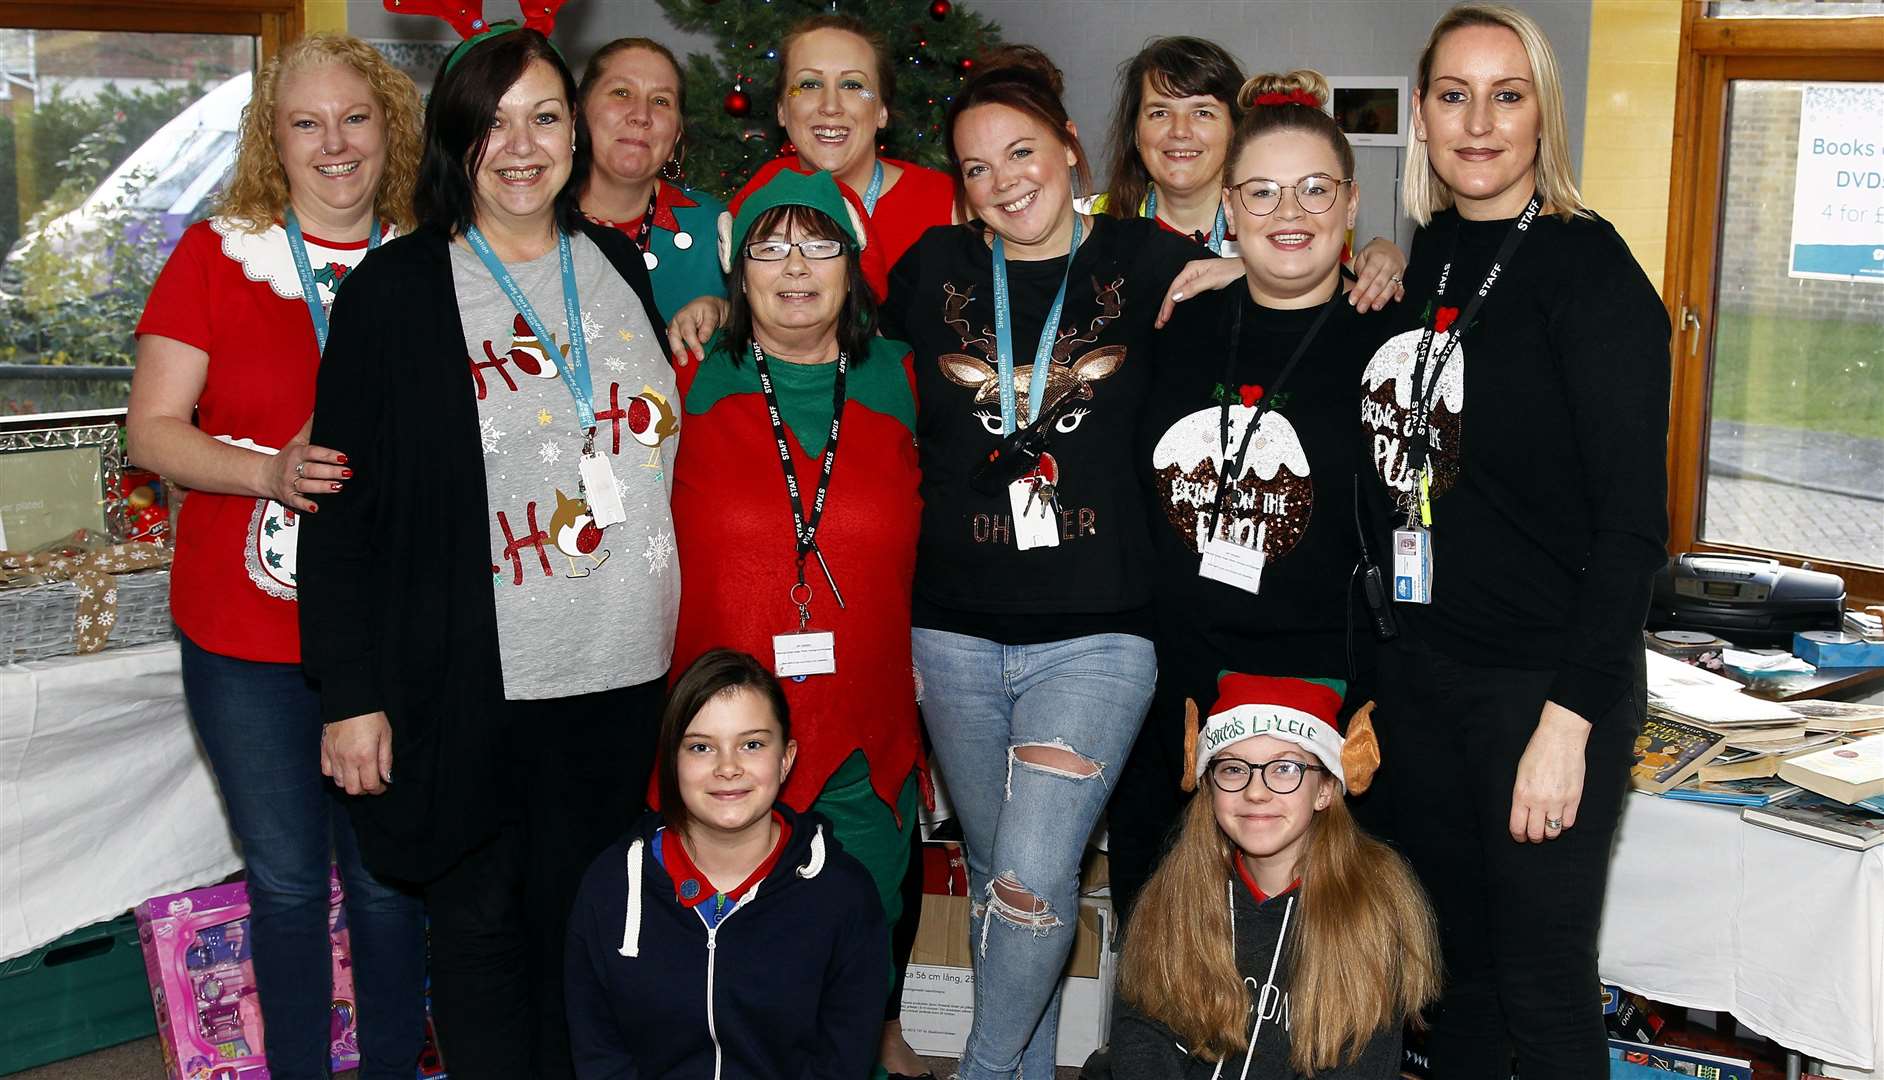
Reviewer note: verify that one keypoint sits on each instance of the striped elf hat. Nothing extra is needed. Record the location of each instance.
(1305, 712)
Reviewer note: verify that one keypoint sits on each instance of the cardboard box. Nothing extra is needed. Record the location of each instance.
(939, 991)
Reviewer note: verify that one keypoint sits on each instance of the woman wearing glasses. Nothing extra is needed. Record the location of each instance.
(1249, 451)
(1277, 940)
(796, 511)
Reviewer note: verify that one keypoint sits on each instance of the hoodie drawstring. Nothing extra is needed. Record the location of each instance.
(1274, 960)
(816, 865)
(631, 924)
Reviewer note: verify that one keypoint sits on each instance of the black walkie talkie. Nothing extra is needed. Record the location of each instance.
(1373, 582)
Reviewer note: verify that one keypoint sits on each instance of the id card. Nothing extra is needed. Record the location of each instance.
(807, 652)
(1233, 564)
(599, 490)
(1413, 565)
(1036, 525)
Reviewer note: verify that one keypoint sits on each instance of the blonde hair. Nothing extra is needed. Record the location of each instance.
(1425, 194)
(1258, 120)
(1366, 955)
(257, 193)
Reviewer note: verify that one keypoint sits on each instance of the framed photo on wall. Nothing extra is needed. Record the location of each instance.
(1372, 109)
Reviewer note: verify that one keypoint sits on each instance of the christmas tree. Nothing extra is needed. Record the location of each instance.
(732, 125)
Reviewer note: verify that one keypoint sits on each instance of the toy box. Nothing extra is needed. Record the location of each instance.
(197, 955)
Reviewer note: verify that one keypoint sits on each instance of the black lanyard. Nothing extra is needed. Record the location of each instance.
(1423, 389)
(647, 219)
(1233, 469)
(805, 525)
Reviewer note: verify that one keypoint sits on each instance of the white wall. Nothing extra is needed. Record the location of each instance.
(1090, 38)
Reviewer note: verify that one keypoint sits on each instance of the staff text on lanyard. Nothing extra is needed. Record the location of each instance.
(574, 368)
(310, 294)
(1004, 337)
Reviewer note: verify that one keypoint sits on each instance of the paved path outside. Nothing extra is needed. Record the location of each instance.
(1786, 517)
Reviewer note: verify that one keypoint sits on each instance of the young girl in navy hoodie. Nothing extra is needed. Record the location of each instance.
(727, 935)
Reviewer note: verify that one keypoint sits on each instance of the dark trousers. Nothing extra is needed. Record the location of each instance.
(1517, 921)
(260, 726)
(1146, 798)
(578, 776)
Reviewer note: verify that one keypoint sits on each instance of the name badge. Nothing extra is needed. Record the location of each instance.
(1413, 565)
(1233, 564)
(1036, 520)
(599, 490)
(806, 652)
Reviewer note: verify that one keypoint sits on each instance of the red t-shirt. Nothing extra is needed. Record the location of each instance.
(236, 296)
(919, 199)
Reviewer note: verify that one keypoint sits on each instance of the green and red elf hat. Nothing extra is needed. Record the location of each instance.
(1305, 712)
(467, 18)
(816, 191)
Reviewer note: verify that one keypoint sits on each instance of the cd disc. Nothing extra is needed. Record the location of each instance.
(1685, 637)
(1830, 637)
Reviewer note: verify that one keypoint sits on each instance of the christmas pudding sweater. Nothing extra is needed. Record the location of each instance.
(737, 551)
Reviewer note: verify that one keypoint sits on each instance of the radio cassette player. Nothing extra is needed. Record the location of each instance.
(1745, 598)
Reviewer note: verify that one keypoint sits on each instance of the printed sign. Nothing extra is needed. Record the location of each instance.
(1838, 198)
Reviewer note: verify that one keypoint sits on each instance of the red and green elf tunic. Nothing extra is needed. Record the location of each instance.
(734, 530)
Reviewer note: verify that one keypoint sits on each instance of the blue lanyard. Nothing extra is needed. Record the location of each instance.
(874, 191)
(1218, 229)
(297, 247)
(1004, 337)
(574, 368)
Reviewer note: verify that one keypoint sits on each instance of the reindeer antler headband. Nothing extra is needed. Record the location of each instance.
(467, 18)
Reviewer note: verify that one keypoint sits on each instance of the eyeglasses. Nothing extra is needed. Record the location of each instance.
(1281, 776)
(1315, 194)
(780, 250)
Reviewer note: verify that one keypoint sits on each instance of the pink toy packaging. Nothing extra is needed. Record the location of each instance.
(202, 978)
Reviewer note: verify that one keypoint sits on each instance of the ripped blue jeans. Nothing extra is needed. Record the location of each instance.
(1075, 706)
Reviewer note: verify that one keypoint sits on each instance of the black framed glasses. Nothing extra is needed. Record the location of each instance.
(1261, 196)
(1281, 776)
(780, 250)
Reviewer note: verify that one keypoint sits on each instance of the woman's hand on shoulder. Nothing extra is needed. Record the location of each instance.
(357, 753)
(692, 327)
(1199, 275)
(303, 469)
(1379, 268)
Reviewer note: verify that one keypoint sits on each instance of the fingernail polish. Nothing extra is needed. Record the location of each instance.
(346, 474)
(342, 458)
(333, 487)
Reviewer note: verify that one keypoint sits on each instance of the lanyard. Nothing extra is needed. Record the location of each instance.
(1218, 229)
(647, 219)
(805, 525)
(297, 247)
(874, 191)
(574, 368)
(1004, 337)
(1233, 469)
(1423, 388)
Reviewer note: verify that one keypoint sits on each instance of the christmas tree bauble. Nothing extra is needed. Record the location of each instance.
(940, 9)
(965, 65)
(737, 103)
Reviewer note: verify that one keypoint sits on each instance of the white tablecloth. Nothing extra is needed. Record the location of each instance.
(105, 797)
(1785, 933)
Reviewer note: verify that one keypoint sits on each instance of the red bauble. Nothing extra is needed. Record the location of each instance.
(965, 65)
(939, 9)
(737, 103)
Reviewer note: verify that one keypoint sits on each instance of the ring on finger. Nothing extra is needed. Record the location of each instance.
(300, 470)
(1553, 824)
(1395, 279)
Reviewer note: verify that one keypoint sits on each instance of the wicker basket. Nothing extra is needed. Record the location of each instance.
(36, 622)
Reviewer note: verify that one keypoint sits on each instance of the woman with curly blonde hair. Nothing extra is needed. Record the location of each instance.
(232, 335)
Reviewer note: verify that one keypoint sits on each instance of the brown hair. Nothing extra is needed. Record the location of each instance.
(1425, 194)
(717, 673)
(856, 317)
(1022, 78)
(850, 24)
(1178, 67)
(1259, 120)
(592, 73)
(258, 186)
(1366, 956)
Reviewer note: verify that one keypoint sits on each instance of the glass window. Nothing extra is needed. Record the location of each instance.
(110, 145)
(1796, 438)
(1793, 9)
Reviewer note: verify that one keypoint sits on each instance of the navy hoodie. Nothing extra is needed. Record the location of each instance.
(791, 984)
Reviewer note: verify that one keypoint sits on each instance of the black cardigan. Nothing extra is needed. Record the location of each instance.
(395, 572)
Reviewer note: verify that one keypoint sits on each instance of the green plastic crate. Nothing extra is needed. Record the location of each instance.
(81, 993)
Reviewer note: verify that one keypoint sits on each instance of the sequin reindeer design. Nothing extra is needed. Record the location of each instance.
(1067, 376)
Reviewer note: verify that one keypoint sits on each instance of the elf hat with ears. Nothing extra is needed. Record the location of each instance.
(818, 191)
(1301, 711)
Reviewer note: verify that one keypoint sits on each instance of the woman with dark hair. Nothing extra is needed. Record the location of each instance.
(634, 101)
(227, 351)
(838, 556)
(518, 512)
(742, 939)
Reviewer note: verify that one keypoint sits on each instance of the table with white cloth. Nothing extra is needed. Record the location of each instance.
(1787, 934)
(106, 798)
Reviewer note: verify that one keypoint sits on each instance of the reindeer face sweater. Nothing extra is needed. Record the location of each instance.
(971, 577)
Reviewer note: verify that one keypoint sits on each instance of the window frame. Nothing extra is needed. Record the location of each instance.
(273, 23)
(1715, 51)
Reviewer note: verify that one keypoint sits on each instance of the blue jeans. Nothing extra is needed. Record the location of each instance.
(260, 724)
(1025, 825)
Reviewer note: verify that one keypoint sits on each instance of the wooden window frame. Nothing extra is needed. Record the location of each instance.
(273, 23)
(1713, 52)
